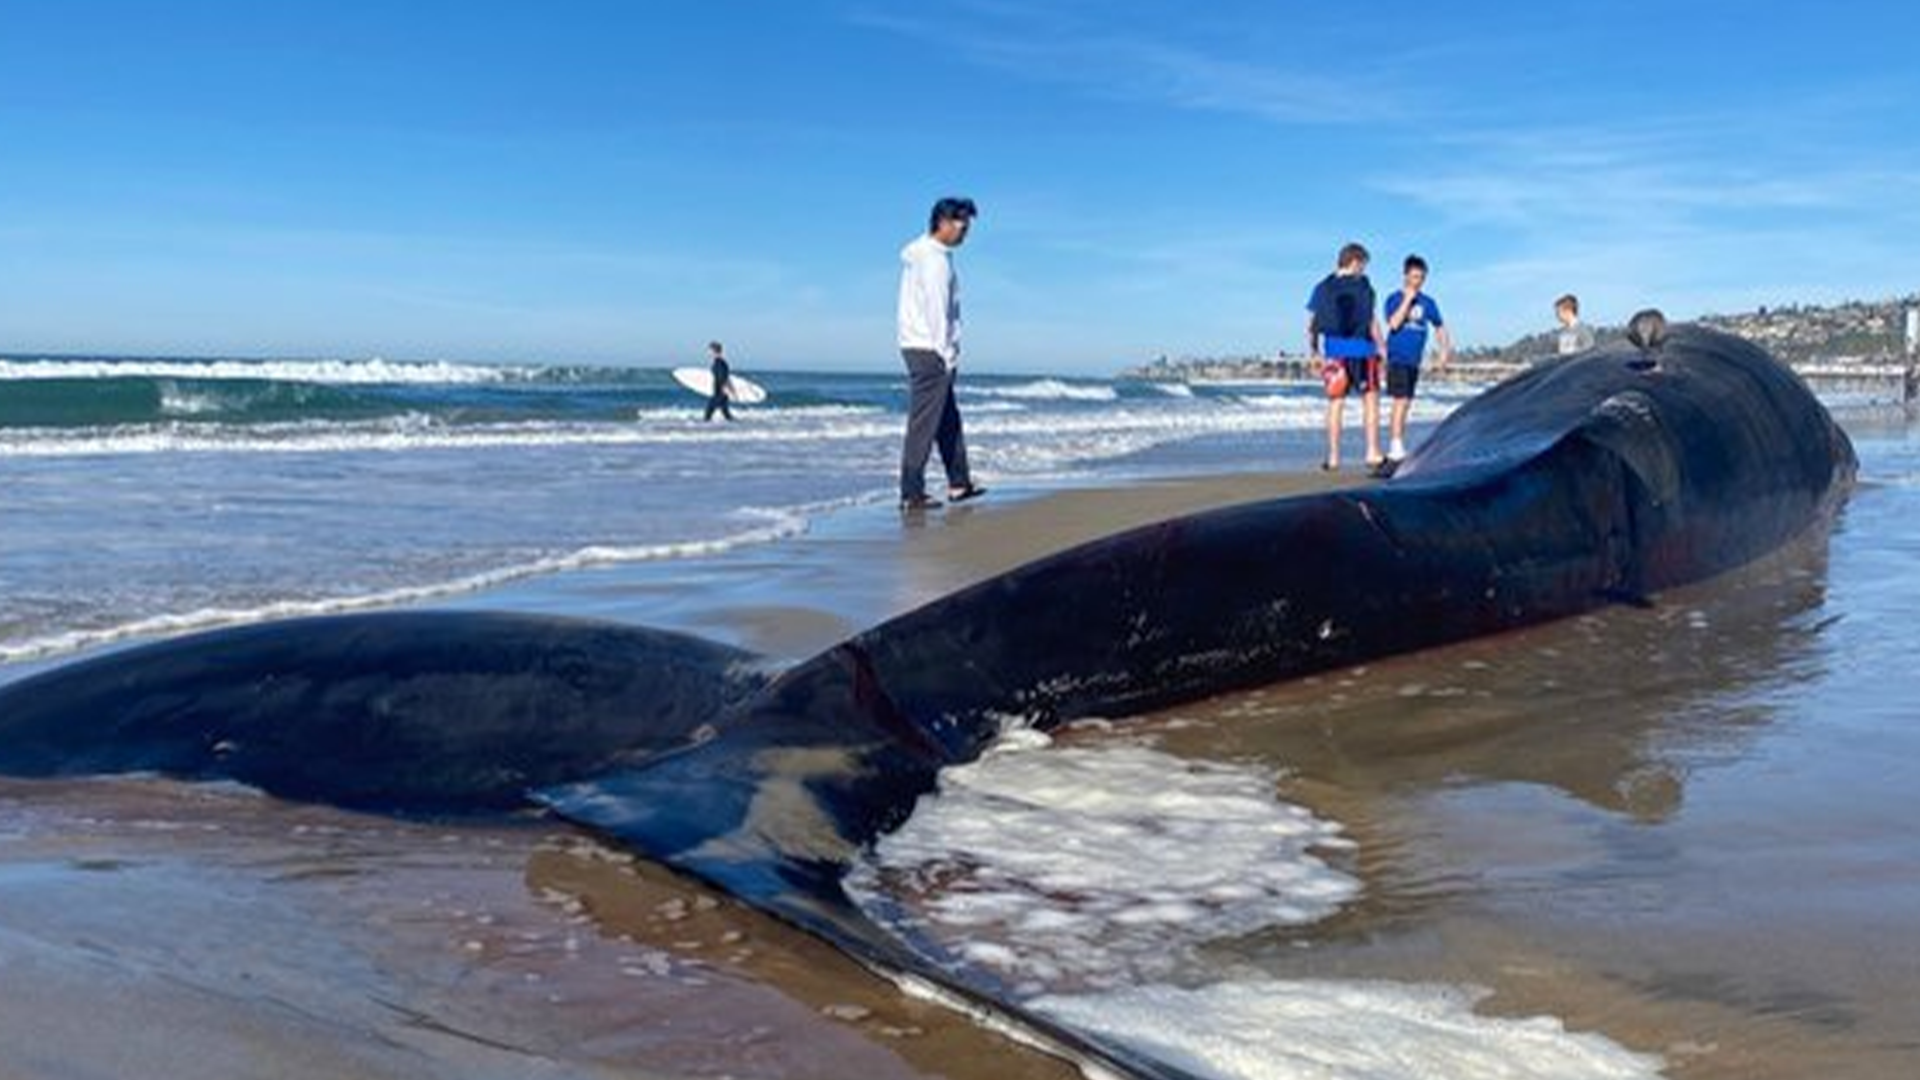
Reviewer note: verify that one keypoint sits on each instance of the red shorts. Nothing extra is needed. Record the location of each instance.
(1363, 376)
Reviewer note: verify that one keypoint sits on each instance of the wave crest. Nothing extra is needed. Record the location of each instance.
(1045, 390)
(332, 372)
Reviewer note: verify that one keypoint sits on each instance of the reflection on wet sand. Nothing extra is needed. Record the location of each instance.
(1612, 708)
(633, 901)
(229, 930)
(1522, 808)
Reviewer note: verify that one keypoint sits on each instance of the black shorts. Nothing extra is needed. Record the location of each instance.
(1363, 374)
(1401, 379)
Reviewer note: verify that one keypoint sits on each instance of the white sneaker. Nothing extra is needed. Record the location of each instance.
(1397, 452)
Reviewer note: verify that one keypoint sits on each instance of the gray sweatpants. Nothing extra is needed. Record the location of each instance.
(933, 417)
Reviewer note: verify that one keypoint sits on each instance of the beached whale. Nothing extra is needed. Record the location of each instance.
(1590, 479)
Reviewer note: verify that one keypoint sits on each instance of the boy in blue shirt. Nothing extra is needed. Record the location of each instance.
(1410, 313)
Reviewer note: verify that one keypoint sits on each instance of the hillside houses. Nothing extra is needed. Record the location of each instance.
(1868, 337)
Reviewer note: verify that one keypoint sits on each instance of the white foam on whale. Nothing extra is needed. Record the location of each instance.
(1272, 1029)
(1084, 875)
(1100, 865)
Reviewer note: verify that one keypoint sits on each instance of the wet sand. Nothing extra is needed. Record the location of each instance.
(152, 929)
(1639, 821)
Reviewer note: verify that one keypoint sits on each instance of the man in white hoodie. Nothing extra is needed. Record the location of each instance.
(930, 345)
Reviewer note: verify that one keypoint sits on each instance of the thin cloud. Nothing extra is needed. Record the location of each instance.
(1696, 214)
(1688, 169)
(1652, 203)
(1053, 47)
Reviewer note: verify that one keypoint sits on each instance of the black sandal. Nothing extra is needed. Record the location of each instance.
(918, 502)
(962, 494)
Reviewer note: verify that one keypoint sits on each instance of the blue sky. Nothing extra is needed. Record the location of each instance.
(619, 182)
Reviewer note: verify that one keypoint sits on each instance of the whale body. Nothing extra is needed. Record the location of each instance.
(1603, 477)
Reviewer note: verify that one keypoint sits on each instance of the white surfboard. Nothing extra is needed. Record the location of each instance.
(739, 388)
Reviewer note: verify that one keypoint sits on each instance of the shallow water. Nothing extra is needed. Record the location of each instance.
(155, 497)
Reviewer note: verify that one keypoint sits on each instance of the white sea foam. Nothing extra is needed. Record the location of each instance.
(1043, 390)
(786, 413)
(779, 524)
(983, 408)
(1265, 1029)
(1055, 437)
(175, 401)
(342, 372)
(1101, 865)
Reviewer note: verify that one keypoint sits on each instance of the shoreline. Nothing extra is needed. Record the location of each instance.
(859, 567)
(850, 569)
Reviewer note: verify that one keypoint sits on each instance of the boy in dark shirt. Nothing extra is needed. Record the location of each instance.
(1342, 330)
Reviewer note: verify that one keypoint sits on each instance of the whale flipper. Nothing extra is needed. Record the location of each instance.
(447, 712)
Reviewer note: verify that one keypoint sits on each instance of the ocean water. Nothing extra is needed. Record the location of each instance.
(155, 496)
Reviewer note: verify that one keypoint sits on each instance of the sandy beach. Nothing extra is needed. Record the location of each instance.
(1584, 820)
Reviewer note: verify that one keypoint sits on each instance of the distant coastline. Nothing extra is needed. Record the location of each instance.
(1856, 339)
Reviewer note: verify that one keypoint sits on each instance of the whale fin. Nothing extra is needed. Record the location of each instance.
(442, 712)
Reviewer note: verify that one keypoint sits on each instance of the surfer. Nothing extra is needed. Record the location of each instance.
(1410, 313)
(929, 337)
(722, 382)
(1343, 332)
